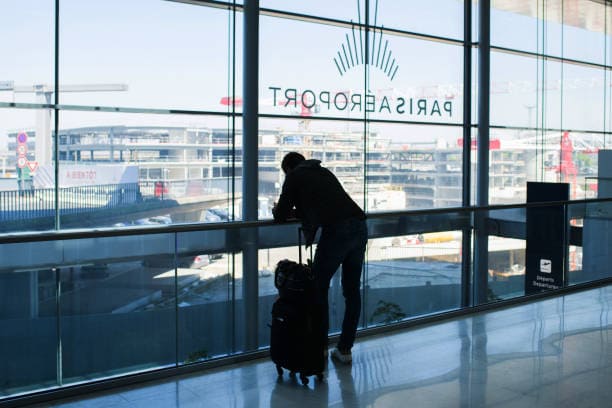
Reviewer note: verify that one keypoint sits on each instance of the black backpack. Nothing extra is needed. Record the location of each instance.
(295, 282)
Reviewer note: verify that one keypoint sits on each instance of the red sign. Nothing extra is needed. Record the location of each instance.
(494, 144)
(33, 165)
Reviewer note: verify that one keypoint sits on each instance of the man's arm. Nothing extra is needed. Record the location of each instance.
(283, 209)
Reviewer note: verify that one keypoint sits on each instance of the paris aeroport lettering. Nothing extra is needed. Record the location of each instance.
(341, 101)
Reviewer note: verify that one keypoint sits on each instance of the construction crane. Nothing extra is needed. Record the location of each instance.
(44, 95)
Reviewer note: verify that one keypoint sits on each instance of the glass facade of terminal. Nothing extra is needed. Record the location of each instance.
(141, 158)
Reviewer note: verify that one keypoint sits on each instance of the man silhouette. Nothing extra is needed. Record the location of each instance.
(314, 195)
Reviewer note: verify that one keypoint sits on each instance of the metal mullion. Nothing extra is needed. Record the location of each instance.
(56, 115)
(176, 302)
(366, 73)
(481, 258)
(605, 93)
(232, 264)
(250, 176)
(58, 287)
(466, 244)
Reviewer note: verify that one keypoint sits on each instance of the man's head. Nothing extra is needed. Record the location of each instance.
(291, 161)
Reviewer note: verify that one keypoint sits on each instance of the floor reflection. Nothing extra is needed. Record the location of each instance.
(553, 353)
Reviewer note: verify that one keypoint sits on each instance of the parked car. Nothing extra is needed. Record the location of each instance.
(216, 215)
(161, 219)
(199, 261)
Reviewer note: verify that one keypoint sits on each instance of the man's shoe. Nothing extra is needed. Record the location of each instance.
(344, 357)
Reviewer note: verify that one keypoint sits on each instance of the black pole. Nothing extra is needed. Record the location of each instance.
(481, 255)
(250, 179)
(466, 245)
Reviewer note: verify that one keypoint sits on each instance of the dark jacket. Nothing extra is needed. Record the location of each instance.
(318, 198)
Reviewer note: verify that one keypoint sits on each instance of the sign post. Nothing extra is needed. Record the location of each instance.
(547, 238)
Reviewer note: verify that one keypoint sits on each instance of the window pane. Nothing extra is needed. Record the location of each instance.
(583, 31)
(512, 162)
(338, 145)
(552, 83)
(28, 343)
(118, 306)
(514, 86)
(442, 18)
(348, 10)
(155, 59)
(506, 268)
(514, 24)
(26, 73)
(413, 167)
(551, 30)
(208, 287)
(412, 275)
(596, 239)
(415, 80)
(125, 169)
(329, 82)
(23, 207)
(583, 97)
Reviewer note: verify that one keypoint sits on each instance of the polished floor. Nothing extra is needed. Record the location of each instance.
(552, 353)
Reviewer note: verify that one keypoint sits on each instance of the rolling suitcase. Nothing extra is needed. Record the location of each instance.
(296, 343)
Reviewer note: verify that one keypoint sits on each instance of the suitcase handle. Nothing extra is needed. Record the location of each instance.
(308, 261)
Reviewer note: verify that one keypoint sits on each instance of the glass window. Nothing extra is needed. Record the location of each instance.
(118, 306)
(513, 27)
(442, 18)
(551, 85)
(27, 69)
(415, 80)
(551, 29)
(506, 268)
(347, 10)
(338, 145)
(514, 86)
(29, 319)
(138, 169)
(23, 206)
(318, 70)
(583, 97)
(155, 59)
(583, 31)
(412, 275)
(206, 278)
(413, 167)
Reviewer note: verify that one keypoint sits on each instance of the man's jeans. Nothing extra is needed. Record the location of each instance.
(343, 243)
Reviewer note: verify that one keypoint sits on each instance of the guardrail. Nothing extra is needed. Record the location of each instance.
(138, 297)
(30, 203)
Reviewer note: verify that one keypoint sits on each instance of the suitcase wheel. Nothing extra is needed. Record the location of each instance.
(303, 379)
(279, 370)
